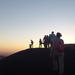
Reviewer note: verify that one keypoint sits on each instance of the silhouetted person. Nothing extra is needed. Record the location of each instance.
(51, 38)
(58, 54)
(40, 43)
(45, 41)
(31, 45)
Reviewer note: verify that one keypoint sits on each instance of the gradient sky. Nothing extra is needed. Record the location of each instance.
(23, 20)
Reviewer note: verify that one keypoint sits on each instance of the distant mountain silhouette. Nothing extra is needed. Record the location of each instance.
(35, 61)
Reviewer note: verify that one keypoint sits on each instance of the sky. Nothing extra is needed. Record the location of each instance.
(23, 20)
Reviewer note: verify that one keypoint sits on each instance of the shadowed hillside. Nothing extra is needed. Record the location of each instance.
(31, 61)
(35, 62)
(2, 57)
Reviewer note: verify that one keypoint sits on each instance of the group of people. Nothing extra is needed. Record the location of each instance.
(47, 40)
(56, 45)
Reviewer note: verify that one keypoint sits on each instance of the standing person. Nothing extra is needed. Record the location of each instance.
(40, 43)
(31, 45)
(51, 37)
(45, 41)
(58, 54)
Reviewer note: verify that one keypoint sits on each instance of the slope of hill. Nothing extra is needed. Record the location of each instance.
(1, 57)
(31, 61)
(35, 62)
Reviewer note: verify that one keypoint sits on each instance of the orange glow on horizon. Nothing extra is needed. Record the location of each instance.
(12, 46)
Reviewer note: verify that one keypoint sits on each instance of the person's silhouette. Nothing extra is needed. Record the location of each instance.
(45, 41)
(51, 38)
(58, 54)
(31, 45)
(40, 43)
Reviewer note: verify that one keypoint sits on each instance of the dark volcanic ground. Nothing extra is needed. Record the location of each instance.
(35, 61)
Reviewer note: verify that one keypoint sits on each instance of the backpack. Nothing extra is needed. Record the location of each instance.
(59, 45)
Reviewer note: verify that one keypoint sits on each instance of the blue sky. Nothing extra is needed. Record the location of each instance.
(23, 20)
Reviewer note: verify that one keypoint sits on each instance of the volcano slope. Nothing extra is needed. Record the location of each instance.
(36, 61)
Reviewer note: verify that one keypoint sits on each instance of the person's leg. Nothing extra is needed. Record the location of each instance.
(61, 64)
(45, 45)
(30, 45)
(55, 64)
(39, 45)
